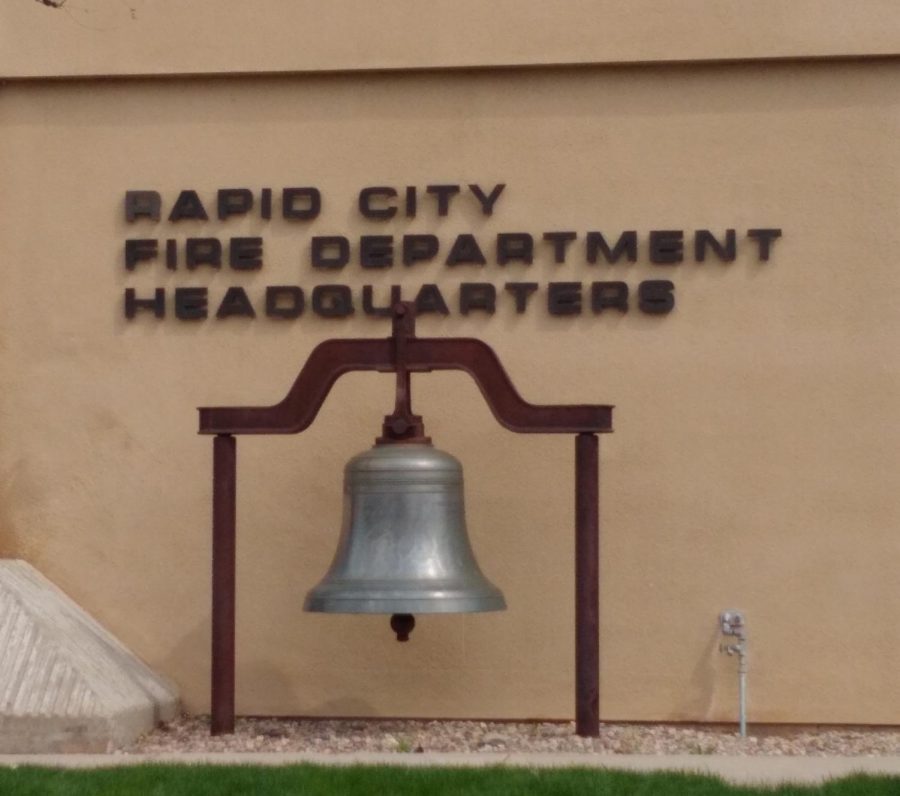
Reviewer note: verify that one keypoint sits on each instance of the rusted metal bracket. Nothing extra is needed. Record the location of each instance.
(404, 353)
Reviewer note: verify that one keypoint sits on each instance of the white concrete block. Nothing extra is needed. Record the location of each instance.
(66, 684)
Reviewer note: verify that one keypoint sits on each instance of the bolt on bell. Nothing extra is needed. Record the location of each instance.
(404, 548)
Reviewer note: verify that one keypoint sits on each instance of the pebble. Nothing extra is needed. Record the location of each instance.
(191, 734)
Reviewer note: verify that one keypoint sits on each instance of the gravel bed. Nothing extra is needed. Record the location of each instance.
(191, 734)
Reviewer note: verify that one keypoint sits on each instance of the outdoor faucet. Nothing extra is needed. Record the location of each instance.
(732, 624)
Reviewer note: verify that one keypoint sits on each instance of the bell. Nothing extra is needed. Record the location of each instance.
(403, 547)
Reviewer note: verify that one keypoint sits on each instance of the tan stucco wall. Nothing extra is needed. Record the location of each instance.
(166, 37)
(755, 459)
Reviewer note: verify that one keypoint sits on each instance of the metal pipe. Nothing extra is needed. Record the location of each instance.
(742, 686)
(732, 624)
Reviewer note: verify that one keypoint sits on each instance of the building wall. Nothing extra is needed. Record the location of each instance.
(170, 37)
(755, 455)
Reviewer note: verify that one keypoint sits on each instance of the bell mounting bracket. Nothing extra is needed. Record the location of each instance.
(402, 354)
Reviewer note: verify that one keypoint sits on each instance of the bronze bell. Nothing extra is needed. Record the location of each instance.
(404, 548)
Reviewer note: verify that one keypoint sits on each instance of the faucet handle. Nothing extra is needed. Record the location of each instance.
(732, 622)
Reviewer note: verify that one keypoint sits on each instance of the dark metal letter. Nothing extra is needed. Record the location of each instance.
(465, 251)
(560, 241)
(515, 246)
(203, 251)
(477, 296)
(171, 254)
(332, 301)
(521, 291)
(190, 303)
(369, 307)
(236, 303)
(765, 238)
(666, 246)
(703, 238)
(133, 304)
(429, 299)
(142, 204)
(139, 249)
(655, 296)
(376, 251)
(330, 251)
(564, 298)
(284, 301)
(487, 202)
(245, 254)
(310, 196)
(377, 213)
(606, 295)
(410, 201)
(233, 202)
(419, 248)
(188, 205)
(626, 245)
(443, 193)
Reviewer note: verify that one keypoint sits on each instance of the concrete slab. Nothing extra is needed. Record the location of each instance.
(765, 770)
(67, 684)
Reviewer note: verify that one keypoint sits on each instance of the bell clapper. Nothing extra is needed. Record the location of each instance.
(402, 625)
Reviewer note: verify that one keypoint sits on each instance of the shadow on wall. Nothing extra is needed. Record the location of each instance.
(345, 706)
(264, 687)
(258, 683)
(180, 665)
(700, 690)
(21, 494)
(9, 545)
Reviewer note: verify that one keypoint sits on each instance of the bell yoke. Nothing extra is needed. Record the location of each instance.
(404, 548)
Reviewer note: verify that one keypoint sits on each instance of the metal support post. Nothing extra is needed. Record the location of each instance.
(587, 586)
(223, 583)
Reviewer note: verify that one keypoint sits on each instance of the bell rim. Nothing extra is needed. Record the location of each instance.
(326, 604)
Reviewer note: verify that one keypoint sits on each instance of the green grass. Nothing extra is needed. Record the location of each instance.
(153, 780)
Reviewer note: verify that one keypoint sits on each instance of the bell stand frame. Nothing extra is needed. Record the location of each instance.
(403, 353)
